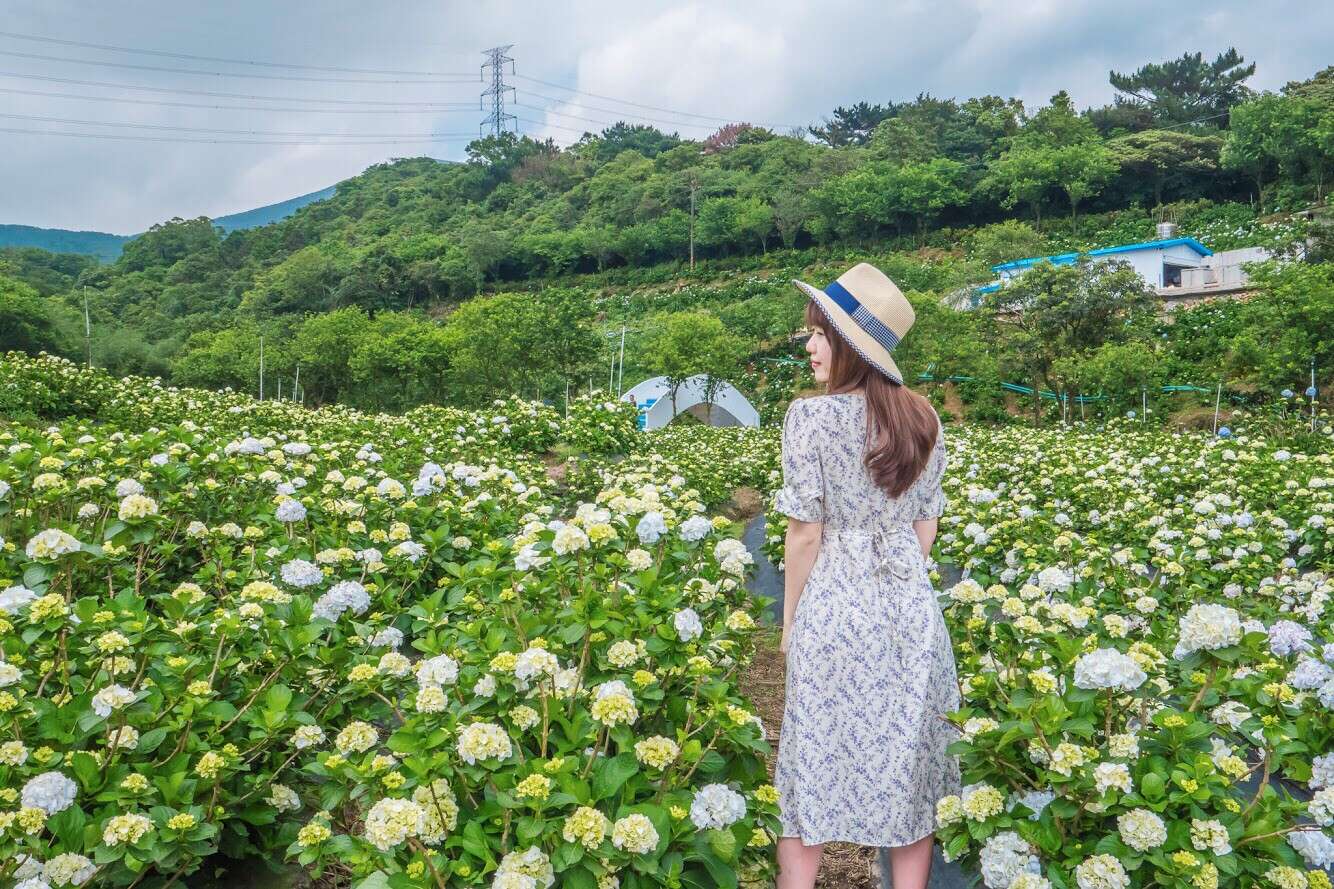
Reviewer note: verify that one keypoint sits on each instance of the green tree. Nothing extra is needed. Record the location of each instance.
(400, 360)
(921, 191)
(1022, 174)
(1005, 241)
(1285, 327)
(1054, 311)
(323, 347)
(518, 343)
(1081, 169)
(684, 344)
(228, 358)
(167, 243)
(1249, 147)
(1161, 157)
(852, 125)
(1186, 89)
(27, 323)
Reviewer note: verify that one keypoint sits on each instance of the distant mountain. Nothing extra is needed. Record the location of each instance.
(58, 240)
(106, 247)
(271, 213)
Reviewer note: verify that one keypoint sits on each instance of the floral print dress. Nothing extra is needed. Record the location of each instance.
(870, 669)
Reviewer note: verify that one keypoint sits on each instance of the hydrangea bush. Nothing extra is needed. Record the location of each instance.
(362, 644)
(1145, 642)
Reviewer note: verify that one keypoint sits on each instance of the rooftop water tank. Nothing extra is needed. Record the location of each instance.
(1167, 230)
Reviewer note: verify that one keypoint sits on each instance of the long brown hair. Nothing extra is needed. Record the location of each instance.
(900, 424)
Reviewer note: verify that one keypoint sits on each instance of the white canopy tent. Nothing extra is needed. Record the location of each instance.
(654, 398)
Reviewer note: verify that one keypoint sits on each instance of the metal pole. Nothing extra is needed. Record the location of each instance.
(87, 330)
(261, 368)
(620, 373)
(1313, 394)
(280, 388)
(1218, 397)
(296, 383)
(1144, 403)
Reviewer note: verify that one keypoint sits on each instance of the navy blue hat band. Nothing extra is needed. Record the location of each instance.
(859, 313)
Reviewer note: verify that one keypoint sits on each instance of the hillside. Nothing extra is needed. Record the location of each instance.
(107, 247)
(272, 212)
(374, 291)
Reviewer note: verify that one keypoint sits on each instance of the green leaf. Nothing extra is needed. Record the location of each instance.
(610, 774)
(151, 740)
(565, 855)
(578, 877)
(1151, 785)
(277, 698)
(68, 825)
(377, 880)
(723, 843)
(723, 874)
(85, 769)
(35, 576)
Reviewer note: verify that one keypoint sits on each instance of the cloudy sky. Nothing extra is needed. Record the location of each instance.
(577, 65)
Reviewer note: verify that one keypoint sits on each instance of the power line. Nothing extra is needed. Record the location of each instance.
(452, 109)
(162, 89)
(159, 68)
(665, 123)
(226, 61)
(127, 138)
(640, 105)
(556, 126)
(182, 129)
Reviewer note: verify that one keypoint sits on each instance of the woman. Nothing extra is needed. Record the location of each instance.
(870, 669)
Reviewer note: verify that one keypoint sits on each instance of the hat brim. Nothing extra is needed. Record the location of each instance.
(862, 342)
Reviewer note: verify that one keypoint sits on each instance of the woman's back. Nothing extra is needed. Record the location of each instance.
(824, 445)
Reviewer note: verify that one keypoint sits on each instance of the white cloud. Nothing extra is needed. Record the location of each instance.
(774, 62)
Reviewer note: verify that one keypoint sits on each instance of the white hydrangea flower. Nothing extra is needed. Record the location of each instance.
(688, 625)
(1004, 857)
(1108, 668)
(51, 792)
(1205, 628)
(717, 805)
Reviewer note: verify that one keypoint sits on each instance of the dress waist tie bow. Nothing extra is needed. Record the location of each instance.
(884, 557)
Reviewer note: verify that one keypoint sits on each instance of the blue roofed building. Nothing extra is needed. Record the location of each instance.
(1180, 270)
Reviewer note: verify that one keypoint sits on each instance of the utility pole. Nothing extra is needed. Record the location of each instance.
(495, 60)
(296, 383)
(261, 368)
(620, 373)
(87, 330)
(1218, 400)
(694, 186)
(1312, 393)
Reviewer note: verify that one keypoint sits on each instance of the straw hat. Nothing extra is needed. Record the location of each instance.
(869, 311)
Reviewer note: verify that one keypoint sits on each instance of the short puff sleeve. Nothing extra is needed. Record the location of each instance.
(930, 489)
(802, 495)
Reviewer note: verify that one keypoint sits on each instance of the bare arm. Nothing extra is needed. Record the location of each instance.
(925, 529)
(801, 547)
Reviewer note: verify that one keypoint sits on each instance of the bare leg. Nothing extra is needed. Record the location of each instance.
(910, 865)
(797, 863)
